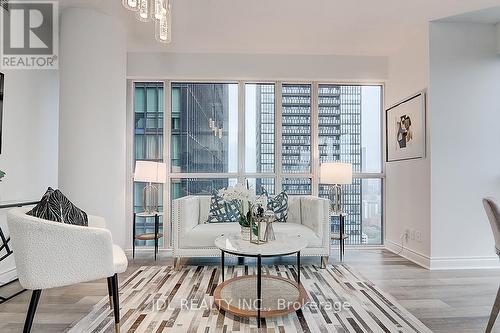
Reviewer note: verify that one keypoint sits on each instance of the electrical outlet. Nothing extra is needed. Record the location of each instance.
(418, 236)
(412, 234)
(406, 235)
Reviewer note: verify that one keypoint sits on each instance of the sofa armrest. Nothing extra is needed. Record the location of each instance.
(315, 214)
(185, 216)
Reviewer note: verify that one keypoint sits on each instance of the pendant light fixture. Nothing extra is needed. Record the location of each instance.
(160, 11)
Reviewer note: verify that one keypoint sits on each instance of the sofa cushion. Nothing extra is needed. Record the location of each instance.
(204, 235)
(55, 206)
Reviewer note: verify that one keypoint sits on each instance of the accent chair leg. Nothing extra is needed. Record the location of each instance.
(324, 261)
(35, 297)
(116, 303)
(110, 291)
(494, 312)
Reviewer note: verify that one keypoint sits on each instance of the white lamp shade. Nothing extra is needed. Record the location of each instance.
(150, 172)
(335, 173)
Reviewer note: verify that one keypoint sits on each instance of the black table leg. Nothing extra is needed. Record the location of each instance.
(222, 265)
(298, 267)
(259, 288)
(341, 241)
(157, 227)
(133, 238)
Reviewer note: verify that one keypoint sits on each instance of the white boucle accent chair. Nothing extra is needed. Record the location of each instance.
(53, 254)
(308, 216)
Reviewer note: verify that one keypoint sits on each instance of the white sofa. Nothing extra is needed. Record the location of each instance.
(193, 237)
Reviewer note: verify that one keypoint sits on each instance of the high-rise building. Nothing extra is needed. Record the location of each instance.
(199, 135)
(339, 118)
(265, 117)
(339, 139)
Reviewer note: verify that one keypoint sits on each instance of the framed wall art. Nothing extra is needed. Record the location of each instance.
(406, 129)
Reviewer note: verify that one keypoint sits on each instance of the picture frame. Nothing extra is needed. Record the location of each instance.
(405, 129)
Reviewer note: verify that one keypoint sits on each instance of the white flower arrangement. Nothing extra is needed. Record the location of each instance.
(247, 201)
(238, 192)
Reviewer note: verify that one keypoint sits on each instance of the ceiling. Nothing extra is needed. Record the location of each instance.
(341, 27)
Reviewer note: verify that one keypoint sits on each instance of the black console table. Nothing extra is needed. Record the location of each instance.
(4, 244)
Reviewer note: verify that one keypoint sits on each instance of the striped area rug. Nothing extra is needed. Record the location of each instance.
(158, 299)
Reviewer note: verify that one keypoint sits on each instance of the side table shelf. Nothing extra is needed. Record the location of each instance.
(156, 235)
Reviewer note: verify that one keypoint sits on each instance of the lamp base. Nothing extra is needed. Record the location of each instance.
(335, 196)
(150, 198)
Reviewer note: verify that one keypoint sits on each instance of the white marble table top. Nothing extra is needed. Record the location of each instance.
(282, 245)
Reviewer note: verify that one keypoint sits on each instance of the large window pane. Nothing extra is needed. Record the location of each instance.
(372, 211)
(371, 142)
(349, 131)
(296, 128)
(204, 127)
(148, 145)
(259, 128)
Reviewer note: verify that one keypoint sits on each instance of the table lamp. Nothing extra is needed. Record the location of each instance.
(335, 174)
(152, 173)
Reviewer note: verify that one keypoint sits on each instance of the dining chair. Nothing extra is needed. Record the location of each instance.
(493, 213)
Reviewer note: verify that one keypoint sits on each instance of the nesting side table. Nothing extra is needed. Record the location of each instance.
(156, 235)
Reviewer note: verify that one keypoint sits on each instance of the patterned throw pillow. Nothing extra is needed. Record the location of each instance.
(222, 211)
(55, 206)
(278, 204)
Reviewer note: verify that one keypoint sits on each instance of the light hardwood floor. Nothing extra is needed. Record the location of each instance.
(456, 301)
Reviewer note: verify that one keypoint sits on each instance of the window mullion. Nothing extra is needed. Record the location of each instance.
(278, 167)
(241, 132)
(167, 126)
(314, 140)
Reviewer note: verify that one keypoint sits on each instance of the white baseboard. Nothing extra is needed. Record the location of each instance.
(8, 275)
(414, 256)
(443, 263)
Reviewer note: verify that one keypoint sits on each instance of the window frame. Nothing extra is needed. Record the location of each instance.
(241, 175)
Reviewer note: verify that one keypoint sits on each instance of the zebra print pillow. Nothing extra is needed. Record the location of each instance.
(55, 206)
(278, 204)
(222, 211)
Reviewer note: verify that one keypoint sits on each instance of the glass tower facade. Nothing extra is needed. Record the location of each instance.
(200, 116)
(339, 139)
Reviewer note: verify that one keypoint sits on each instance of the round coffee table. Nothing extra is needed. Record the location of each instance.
(260, 296)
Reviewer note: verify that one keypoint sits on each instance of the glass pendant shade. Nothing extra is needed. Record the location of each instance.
(130, 4)
(163, 27)
(143, 14)
(158, 10)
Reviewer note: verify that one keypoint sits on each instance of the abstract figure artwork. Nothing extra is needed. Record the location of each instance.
(405, 129)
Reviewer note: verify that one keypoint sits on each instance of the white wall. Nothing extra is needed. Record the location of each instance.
(408, 182)
(29, 141)
(92, 115)
(465, 104)
(256, 67)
